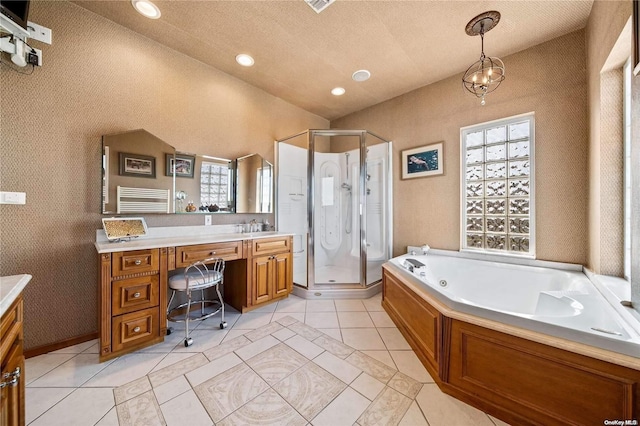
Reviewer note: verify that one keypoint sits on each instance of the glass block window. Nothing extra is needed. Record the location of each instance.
(497, 186)
(215, 184)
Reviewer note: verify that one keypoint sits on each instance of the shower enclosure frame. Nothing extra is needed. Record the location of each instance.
(362, 200)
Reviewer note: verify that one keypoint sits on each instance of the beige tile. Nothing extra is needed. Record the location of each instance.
(109, 419)
(227, 347)
(261, 332)
(283, 334)
(381, 319)
(225, 393)
(288, 318)
(131, 389)
(393, 339)
(81, 407)
(271, 307)
(382, 356)
(304, 347)
(76, 349)
(372, 367)
(170, 359)
(253, 349)
(38, 366)
(353, 305)
(409, 364)
(267, 408)
(170, 343)
(292, 304)
(442, 409)
(233, 333)
(373, 304)
(320, 306)
(276, 363)
(185, 409)
(305, 331)
(203, 339)
(498, 422)
(252, 320)
(322, 319)
(405, 385)
(354, 320)
(141, 410)
(332, 332)
(309, 389)
(388, 409)
(212, 369)
(171, 389)
(125, 369)
(344, 410)
(362, 338)
(337, 348)
(338, 367)
(95, 349)
(72, 373)
(214, 322)
(367, 386)
(414, 416)
(39, 400)
(169, 373)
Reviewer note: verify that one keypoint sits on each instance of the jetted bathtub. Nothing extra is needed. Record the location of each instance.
(529, 345)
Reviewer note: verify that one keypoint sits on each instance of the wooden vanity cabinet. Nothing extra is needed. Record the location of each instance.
(272, 270)
(12, 399)
(132, 300)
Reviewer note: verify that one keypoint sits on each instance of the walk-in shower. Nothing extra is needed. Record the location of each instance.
(334, 194)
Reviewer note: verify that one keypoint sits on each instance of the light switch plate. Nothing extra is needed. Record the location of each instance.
(207, 219)
(13, 197)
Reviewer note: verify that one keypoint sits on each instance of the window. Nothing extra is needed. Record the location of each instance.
(214, 184)
(627, 168)
(497, 187)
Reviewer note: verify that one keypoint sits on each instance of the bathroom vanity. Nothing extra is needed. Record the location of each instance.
(12, 381)
(133, 280)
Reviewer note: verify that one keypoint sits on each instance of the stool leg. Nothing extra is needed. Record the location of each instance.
(188, 341)
(223, 323)
(173, 293)
(202, 302)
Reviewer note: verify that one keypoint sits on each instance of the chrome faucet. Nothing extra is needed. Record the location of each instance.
(425, 249)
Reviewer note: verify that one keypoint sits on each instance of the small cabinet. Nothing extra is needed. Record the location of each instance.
(12, 367)
(271, 270)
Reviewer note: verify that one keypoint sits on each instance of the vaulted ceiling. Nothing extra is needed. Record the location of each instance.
(300, 55)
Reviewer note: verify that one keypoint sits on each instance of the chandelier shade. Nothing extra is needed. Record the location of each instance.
(485, 75)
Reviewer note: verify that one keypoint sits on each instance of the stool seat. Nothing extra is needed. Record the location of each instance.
(196, 280)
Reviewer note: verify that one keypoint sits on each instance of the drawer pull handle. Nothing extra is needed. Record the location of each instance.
(138, 262)
(14, 377)
(212, 253)
(136, 294)
(136, 330)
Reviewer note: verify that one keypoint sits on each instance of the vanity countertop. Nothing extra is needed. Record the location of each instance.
(10, 288)
(185, 240)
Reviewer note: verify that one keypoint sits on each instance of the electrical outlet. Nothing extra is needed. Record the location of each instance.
(207, 219)
(13, 198)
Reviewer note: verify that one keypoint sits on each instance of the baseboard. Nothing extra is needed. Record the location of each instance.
(29, 353)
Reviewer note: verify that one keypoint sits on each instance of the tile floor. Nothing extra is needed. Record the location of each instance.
(318, 362)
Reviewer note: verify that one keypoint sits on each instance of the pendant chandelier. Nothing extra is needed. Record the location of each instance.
(483, 76)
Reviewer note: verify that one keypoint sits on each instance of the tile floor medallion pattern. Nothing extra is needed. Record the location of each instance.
(270, 369)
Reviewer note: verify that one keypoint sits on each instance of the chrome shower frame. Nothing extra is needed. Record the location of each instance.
(362, 186)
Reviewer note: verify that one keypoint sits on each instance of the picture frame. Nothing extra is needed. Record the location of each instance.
(184, 165)
(423, 161)
(137, 165)
(636, 37)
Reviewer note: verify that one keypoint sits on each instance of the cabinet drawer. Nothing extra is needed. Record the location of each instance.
(271, 245)
(135, 328)
(11, 320)
(131, 262)
(134, 294)
(186, 255)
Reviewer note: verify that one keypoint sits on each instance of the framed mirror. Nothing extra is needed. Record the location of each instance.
(133, 174)
(204, 184)
(254, 185)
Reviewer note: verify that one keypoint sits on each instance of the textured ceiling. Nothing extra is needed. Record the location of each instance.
(300, 55)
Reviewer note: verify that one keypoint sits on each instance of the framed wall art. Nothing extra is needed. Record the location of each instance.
(423, 161)
(137, 165)
(184, 165)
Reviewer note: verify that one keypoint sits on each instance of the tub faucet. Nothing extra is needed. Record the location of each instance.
(425, 249)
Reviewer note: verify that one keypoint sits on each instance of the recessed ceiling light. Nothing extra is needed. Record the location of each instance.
(146, 8)
(244, 60)
(338, 91)
(361, 75)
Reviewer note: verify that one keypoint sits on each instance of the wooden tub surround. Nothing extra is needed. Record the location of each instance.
(520, 376)
(133, 282)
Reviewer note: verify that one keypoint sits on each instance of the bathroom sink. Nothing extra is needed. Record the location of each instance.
(260, 233)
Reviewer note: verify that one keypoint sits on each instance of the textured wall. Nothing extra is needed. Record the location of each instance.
(99, 78)
(427, 210)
